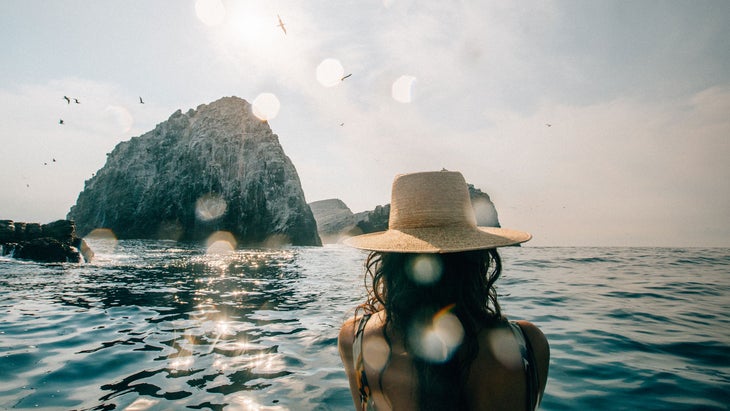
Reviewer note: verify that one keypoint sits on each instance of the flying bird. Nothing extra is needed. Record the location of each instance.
(60, 121)
(141, 101)
(77, 101)
(548, 124)
(343, 78)
(281, 24)
(68, 100)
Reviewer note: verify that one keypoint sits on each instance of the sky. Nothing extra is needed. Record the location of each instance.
(588, 123)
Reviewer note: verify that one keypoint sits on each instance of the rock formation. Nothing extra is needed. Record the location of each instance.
(52, 242)
(335, 221)
(216, 168)
(484, 209)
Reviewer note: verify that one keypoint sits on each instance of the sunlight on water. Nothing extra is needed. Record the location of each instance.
(210, 206)
(437, 342)
(402, 89)
(330, 72)
(182, 363)
(244, 402)
(425, 269)
(210, 12)
(266, 106)
(158, 325)
(141, 404)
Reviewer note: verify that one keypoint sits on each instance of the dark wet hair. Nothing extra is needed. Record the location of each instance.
(465, 288)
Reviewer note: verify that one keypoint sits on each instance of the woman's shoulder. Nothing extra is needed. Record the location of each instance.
(347, 332)
(350, 326)
(537, 339)
(497, 375)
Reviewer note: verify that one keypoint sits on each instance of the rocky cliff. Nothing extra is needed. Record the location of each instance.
(216, 168)
(335, 221)
(53, 242)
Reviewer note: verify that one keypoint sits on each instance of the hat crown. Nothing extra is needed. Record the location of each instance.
(430, 199)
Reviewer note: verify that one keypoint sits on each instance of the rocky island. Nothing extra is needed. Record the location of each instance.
(55, 242)
(215, 168)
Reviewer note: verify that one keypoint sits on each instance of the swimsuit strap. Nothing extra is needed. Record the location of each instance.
(529, 365)
(366, 402)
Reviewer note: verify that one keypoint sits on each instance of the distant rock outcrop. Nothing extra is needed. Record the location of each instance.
(216, 168)
(335, 221)
(52, 242)
(484, 209)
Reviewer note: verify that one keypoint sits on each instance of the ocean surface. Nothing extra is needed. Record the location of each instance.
(153, 325)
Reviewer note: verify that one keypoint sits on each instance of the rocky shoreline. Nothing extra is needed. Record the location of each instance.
(55, 242)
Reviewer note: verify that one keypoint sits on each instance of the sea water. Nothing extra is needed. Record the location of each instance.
(153, 325)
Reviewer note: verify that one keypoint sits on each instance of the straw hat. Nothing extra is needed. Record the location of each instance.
(431, 212)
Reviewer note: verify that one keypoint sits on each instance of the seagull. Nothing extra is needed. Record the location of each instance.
(77, 101)
(281, 24)
(60, 121)
(68, 100)
(343, 78)
(141, 101)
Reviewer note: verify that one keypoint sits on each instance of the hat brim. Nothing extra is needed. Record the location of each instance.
(438, 240)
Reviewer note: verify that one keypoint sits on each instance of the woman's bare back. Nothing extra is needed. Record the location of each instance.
(496, 379)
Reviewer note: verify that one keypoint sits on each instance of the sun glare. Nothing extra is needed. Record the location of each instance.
(255, 27)
(210, 12)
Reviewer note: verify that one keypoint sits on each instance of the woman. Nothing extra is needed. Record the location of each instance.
(431, 335)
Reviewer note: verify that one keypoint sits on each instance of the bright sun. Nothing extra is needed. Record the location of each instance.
(252, 27)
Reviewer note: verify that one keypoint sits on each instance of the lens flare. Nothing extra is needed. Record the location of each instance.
(505, 350)
(485, 213)
(221, 242)
(170, 230)
(102, 240)
(266, 106)
(438, 341)
(425, 269)
(210, 206)
(119, 116)
(376, 353)
(329, 72)
(210, 12)
(402, 90)
(276, 241)
(102, 234)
